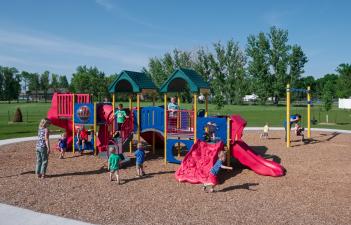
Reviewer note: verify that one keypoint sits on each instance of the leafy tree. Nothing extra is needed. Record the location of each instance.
(258, 52)
(26, 76)
(218, 82)
(279, 59)
(1, 84)
(63, 82)
(297, 61)
(156, 71)
(45, 83)
(89, 80)
(11, 83)
(320, 83)
(34, 84)
(273, 63)
(202, 64)
(236, 74)
(182, 59)
(54, 82)
(344, 81)
(327, 97)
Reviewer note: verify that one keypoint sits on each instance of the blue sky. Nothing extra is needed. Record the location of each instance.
(38, 35)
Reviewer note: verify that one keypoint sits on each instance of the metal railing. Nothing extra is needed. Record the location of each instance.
(180, 121)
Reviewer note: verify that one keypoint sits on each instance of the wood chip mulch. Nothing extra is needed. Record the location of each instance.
(315, 190)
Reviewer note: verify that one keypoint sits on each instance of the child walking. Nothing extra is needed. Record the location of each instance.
(265, 131)
(214, 172)
(139, 159)
(62, 145)
(113, 164)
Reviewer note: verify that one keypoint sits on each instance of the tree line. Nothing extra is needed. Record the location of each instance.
(264, 67)
(12, 82)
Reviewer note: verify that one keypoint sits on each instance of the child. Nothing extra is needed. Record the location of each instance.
(62, 145)
(299, 131)
(82, 139)
(121, 116)
(265, 132)
(214, 172)
(139, 159)
(113, 163)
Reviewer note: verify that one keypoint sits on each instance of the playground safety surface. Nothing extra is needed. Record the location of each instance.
(315, 190)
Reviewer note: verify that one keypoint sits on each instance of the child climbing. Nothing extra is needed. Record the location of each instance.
(121, 116)
(214, 172)
(113, 164)
(293, 119)
(139, 160)
(62, 143)
(265, 131)
(299, 131)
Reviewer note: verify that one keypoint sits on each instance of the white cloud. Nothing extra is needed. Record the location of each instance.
(106, 4)
(57, 46)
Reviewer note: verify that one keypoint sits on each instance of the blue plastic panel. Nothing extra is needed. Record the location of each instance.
(221, 127)
(151, 117)
(83, 113)
(170, 143)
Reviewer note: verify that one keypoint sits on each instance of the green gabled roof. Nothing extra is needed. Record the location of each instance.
(133, 82)
(180, 77)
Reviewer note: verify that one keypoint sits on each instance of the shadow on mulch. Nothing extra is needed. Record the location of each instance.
(148, 175)
(90, 172)
(23, 173)
(273, 138)
(245, 186)
(315, 141)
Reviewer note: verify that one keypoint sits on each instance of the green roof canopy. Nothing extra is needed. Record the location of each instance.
(180, 78)
(132, 82)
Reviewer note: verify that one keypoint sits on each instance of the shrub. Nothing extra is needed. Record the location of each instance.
(18, 116)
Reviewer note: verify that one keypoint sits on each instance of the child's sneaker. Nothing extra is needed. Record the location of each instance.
(204, 187)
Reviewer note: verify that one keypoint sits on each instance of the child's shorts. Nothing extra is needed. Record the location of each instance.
(212, 179)
(138, 166)
(112, 171)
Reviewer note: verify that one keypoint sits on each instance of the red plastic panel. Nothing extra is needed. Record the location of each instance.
(196, 166)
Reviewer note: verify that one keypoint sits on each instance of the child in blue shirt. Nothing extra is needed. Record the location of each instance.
(62, 144)
(139, 160)
(212, 178)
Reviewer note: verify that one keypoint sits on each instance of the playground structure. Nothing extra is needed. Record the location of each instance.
(290, 90)
(157, 125)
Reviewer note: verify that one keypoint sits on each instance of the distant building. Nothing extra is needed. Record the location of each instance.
(40, 96)
(345, 103)
(250, 98)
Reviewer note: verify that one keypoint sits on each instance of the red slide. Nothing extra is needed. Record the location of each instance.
(196, 165)
(242, 152)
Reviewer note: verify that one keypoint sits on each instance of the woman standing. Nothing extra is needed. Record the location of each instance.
(42, 148)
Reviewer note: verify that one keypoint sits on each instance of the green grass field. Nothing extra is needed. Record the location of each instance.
(255, 115)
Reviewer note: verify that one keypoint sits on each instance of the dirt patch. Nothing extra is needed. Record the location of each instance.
(315, 190)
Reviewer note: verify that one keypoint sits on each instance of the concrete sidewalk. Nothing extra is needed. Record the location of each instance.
(17, 140)
(11, 215)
